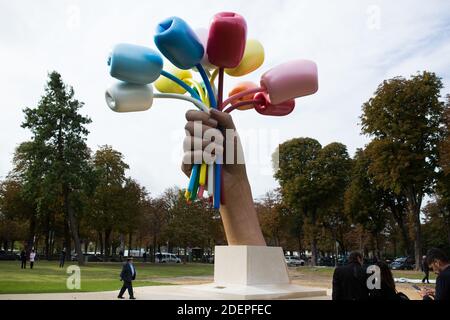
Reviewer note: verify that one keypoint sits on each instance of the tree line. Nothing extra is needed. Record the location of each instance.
(378, 195)
(59, 194)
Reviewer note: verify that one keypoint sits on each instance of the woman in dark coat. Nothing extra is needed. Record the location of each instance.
(388, 290)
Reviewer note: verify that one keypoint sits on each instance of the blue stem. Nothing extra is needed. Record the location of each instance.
(217, 166)
(211, 96)
(181, 83)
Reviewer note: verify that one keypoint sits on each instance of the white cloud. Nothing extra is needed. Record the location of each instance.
(353, 58)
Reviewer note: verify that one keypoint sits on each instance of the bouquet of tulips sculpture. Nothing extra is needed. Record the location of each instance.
(223, 48)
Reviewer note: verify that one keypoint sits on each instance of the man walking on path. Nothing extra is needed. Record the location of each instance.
(425, 270)
(127, 275)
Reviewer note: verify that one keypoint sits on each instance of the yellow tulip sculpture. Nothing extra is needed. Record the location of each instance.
(252, 60)
(165, 85)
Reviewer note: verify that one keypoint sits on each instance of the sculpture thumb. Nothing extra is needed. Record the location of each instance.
(291, 80)
(179, 43)
(129, 97)
(252, 60)
(165, 85)
(227, 39)
(241, 87)
(135, 64)
(268, 109)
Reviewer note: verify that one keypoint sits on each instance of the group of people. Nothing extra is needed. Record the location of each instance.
(32, 258)
(23, 259)
(351, 282)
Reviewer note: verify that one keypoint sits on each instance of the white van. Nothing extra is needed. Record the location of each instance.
(167, 258)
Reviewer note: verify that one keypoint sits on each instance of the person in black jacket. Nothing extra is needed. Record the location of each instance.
(23, 259)
(349, 281)
(425, 270)
(387, 289)
(127, 275)
(438, 261)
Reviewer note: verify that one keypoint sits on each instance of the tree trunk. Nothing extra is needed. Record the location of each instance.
(377, 246)
(47, 237)
(414, 204)
(73, 227)
(107, 244)
(67, 239)
(399, 218)
(31, 234)
(154, 249)
(314, 239)
(130, 239)
(100, 237)
(76, 239)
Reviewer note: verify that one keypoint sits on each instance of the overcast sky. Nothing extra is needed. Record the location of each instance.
(356, 44)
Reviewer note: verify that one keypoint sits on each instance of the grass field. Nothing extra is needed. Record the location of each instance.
(47, 277)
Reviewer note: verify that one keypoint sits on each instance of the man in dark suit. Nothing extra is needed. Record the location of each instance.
(349, 282)
(127, 275)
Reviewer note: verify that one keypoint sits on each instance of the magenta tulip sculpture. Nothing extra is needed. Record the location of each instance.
(227, 39)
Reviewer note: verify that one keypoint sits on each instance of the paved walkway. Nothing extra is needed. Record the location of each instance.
(174, 292)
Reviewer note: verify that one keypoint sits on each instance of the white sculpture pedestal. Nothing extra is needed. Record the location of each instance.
(253, 272)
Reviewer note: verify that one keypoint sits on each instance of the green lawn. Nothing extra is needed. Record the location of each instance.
(328, 271)
(46, 277)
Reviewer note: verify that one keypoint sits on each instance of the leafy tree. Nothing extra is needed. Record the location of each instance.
(437, 225)
(270, 217)
(298, 177)
(335, 167)
(405, 119)
(107, 205)
(16, 213)
(364, 200)
(59, 148)
(312, 180)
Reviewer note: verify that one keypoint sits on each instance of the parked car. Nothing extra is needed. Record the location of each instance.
(342, 261)
(293, 261)
(88, 257)
(7, 255)
(167, 258)
(325, 262)
(403, 263)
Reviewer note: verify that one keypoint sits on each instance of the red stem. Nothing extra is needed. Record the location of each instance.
(242, 94)
(220, 89)
(243, 103)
